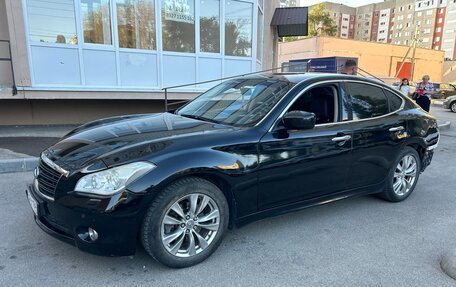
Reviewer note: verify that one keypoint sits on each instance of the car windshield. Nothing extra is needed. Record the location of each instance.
(240, 102)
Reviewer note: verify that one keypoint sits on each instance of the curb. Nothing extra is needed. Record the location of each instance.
(445, 126)
(18, 165)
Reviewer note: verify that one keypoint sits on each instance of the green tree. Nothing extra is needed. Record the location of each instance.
(320, 22)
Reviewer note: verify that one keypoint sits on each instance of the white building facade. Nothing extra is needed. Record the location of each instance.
(140, 45)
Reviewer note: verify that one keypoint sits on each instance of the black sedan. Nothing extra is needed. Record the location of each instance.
(246, 149)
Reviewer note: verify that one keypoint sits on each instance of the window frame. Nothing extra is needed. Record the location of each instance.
(27, 29)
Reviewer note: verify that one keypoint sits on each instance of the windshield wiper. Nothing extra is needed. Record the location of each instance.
(200, 118)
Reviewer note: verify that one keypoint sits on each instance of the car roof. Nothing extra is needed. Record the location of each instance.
(296, 78)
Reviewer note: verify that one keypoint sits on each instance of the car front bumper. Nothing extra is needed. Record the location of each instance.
(117, 229)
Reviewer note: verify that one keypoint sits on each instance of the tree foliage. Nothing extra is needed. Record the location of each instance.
(320, 22)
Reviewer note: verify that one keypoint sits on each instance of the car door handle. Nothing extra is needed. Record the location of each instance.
(396, 129)
(341, 139)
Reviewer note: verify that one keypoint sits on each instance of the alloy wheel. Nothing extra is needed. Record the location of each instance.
(190, 225)
(405, 175)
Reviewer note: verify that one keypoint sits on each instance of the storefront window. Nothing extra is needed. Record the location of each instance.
(238, 28)
(52, 22)
(136, 24)
(210, 26)
(178, 21)
(96, 20)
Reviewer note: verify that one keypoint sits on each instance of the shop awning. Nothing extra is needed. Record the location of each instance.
(291, 21)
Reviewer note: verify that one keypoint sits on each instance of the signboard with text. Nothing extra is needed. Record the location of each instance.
(179, 11)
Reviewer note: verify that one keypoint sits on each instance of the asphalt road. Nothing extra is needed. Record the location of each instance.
(356, 242)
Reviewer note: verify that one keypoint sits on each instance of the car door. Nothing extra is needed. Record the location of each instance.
(296, 165)
(379, 132)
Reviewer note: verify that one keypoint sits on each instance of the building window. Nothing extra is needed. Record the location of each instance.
(428, 21)
(420, 14)
(425, 40)
(210, 26)
(178, 21)
(409, 7)
(429, 12)
(96, 21)
(401, 8)
(437, 39)
(438, 30)
(344, 27)
(409, 16)
(52, 22)
(427, 31)
(136, 24)
(407, 25)
(441, 10)
(440, 20)
(238, 28)
(383, 15)
(260, 32)
(344, 35)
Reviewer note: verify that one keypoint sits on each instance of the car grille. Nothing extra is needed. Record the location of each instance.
(47, 179)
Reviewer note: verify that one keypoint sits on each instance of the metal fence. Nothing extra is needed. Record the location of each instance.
(285, 68)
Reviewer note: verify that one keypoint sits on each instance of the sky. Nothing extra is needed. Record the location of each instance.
(351, 3)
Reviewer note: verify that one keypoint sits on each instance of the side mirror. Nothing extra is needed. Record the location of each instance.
(299, 120)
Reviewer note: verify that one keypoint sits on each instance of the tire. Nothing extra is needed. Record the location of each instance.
(401, 184)
(187, 239)
(453, 107)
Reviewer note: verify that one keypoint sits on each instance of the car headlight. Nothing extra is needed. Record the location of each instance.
(110, 181)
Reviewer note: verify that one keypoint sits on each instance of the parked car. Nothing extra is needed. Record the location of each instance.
(444, 90)
(450, 103)
(177, 181)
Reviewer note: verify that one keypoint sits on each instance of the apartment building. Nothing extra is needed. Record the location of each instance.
(344, 17)
(449, 31)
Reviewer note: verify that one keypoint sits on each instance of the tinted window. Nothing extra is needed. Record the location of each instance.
(394, 101)
(367, 101)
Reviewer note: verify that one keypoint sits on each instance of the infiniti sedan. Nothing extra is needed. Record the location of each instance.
(247, 149)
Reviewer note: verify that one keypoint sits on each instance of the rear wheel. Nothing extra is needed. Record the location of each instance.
(403, 176)
(453, 107)
(185, 223)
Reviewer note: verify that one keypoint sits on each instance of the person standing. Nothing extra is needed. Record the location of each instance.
(404, 87)
(350, 68)
(424, 91)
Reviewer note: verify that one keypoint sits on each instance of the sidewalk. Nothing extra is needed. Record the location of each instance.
(20, 146)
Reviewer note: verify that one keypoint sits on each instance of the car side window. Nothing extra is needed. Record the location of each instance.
(320, 100)
(395, 102)
(367, 101)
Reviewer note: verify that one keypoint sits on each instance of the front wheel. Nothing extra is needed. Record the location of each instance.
(403, 176)
(185, 223)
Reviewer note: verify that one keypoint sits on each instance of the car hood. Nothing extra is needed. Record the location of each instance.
(112, 142)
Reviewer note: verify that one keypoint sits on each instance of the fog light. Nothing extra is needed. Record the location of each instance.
(93, 234)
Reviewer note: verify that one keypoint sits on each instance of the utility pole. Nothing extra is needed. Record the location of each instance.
(415, 40)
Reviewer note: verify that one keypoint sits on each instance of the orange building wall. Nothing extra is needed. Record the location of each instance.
(379, 59)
